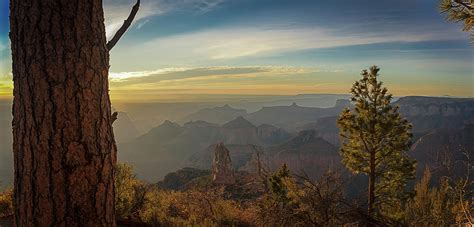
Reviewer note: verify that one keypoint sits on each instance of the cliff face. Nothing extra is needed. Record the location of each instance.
(306, 151)
(222, 172)
(444, 150)
(436, 107)
(428, 113)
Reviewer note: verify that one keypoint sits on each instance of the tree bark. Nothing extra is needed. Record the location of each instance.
(64, 148)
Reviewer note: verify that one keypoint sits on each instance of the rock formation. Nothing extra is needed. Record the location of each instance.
(222, 172)
(239, 131)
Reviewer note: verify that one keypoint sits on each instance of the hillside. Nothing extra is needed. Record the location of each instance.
(294, 116)
(168, 147)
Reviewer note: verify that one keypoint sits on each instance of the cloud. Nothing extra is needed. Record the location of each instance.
(206, 5)
(238, 42)
(201, 76)
(116, 11)
(142, 23)
(127, 76)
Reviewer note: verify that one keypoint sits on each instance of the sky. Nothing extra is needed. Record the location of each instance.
(176, 48)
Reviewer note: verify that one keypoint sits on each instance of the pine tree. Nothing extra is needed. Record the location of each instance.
(63, 142)
(375, 139)
(277, 208)
(278, 187)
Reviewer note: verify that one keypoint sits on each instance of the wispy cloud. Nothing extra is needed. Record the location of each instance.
(116, 11)
(126, 76)
(205, 6)
(206, 74)
(236, 42)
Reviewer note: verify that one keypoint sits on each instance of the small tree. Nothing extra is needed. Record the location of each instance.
(278, 186)
(374, 141)
(459, 10)
(6, 203)
(276, 207)
(431, 206)
(130, 193)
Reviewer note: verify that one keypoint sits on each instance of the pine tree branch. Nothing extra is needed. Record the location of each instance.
(126, 24)
(467, 6)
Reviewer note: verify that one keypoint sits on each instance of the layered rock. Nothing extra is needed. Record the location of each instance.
(306, 152)
(429, 113)
(428, 106)
(222, 172)
(239, 154)
(293, 116)
(239, 131)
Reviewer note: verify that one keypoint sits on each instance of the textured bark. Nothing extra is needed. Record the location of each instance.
(64, 149)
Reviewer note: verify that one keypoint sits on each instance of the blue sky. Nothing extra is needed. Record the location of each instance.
(279, 47)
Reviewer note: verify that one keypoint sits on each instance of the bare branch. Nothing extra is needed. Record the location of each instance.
(114, 117)
(124, 27)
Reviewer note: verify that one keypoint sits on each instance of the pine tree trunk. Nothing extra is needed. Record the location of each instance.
(371, 184)
(64, 149)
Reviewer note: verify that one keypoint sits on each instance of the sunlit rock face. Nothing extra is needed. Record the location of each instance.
(428, 106)
(222, 172)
